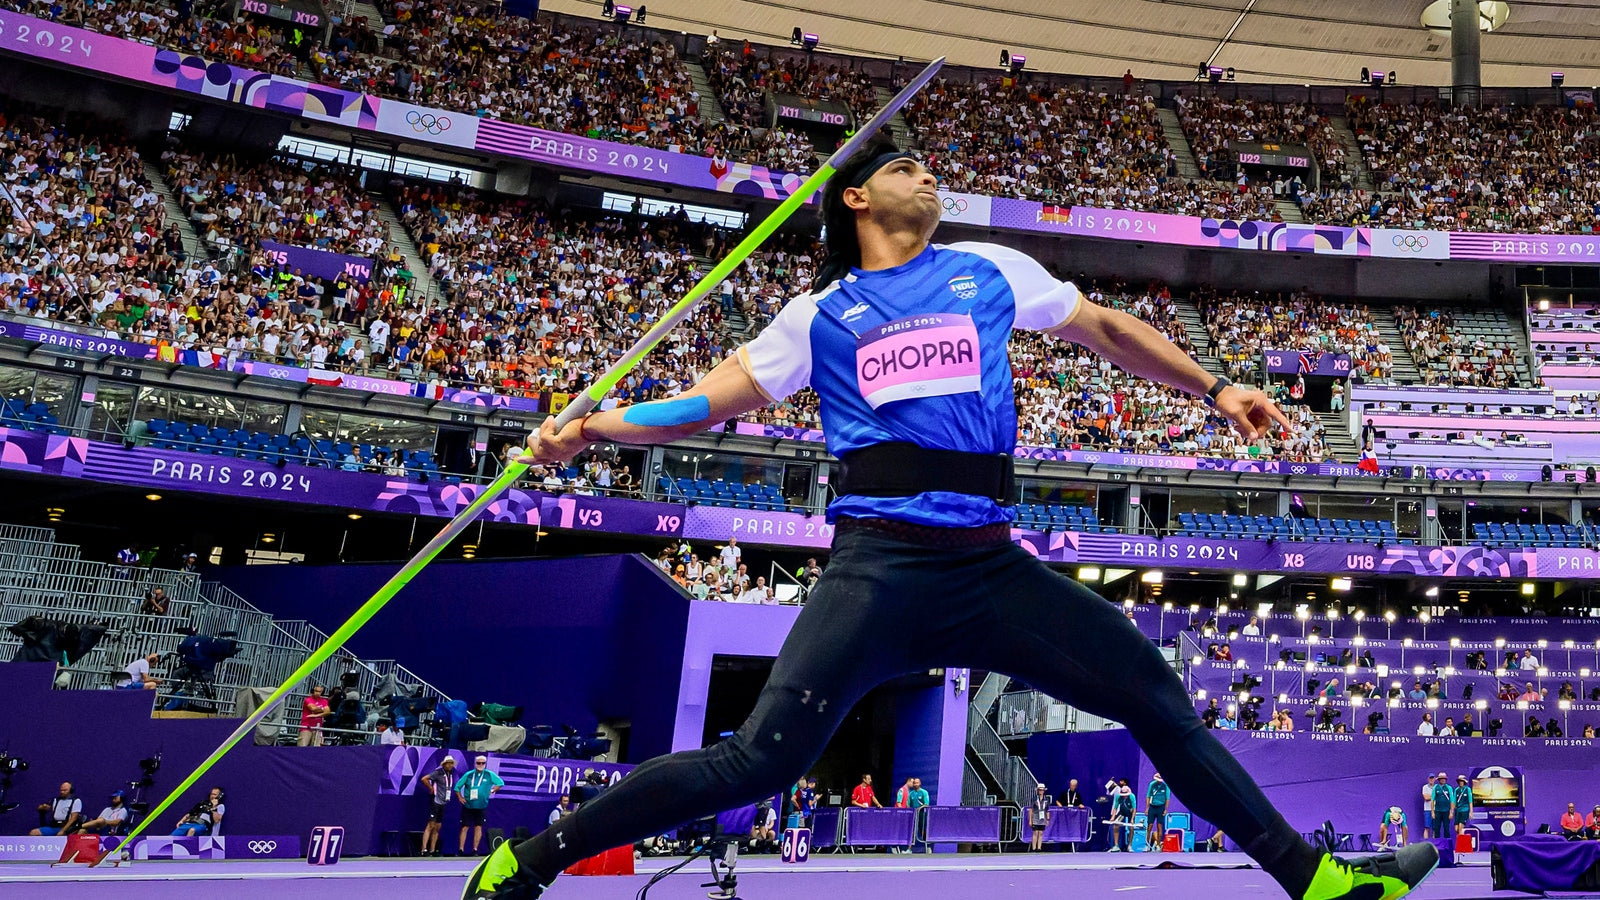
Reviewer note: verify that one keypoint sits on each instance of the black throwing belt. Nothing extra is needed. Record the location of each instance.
(903, 469)
(929, 535)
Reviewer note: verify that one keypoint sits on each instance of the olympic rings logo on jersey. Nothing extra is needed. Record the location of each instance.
(964, 286)
(1416, 243)
(262, 846)
(429, 123)
(954, 205)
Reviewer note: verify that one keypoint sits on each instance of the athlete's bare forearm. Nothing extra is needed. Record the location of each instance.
(727, 392)
(1135, 347)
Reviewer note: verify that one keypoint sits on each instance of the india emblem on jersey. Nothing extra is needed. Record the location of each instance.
(930, 355)
(964, 286)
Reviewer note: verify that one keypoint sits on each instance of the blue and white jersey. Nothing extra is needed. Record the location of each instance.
(915, 353)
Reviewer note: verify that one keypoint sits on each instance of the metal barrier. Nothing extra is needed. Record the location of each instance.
(39, 576)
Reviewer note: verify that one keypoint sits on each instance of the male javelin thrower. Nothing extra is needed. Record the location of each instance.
(905, 342)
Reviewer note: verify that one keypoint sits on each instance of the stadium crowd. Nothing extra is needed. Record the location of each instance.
(1242, 326)
(83, 227)
(1445, 358)
(1524, 168)
(532, 299)
(244, 41)
(1505, 168)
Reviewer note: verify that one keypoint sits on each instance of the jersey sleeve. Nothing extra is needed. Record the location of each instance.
(779, 359)
(1043, 301)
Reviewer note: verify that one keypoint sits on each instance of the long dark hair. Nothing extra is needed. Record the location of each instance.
(844, 248)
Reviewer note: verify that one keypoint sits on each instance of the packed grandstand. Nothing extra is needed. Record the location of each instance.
(168, 324)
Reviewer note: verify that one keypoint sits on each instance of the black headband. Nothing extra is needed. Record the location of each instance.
(878, 162)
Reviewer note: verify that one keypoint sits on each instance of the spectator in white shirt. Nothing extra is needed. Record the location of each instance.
(731, 554)
(1252, 629)
(139, 674)
(390, 736)
(1425, 728)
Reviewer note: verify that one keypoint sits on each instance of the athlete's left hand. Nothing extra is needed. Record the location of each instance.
(1252, 411)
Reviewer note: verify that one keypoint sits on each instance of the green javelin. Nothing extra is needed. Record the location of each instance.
(578, 407)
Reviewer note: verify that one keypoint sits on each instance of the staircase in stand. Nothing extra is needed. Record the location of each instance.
(991, 768)
(1336, 437)
(192, 245)
(1289, 211)
(1405, 365)
(897, 125)
(1194, 323)
(422, 282)
(710, 104)
(1352, 153)
(1179, 142)
(363, 9)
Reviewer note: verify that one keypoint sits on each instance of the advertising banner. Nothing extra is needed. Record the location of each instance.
(966, 209)
(1306, 362)
(425, 124)
(319, 263)
(233, 846)
(1499, 800)
(526, 777)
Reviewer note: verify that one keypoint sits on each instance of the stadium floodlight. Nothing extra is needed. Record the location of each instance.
(1214, 74)
(1012, 62)
(804, 39)
(1557, 79)
(1377, 79)
(621, 13)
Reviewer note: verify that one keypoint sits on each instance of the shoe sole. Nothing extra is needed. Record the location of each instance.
(1408, 890)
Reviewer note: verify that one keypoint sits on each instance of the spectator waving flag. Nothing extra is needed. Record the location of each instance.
(1309, 360)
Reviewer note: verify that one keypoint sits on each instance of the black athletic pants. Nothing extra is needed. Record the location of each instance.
(989, 607)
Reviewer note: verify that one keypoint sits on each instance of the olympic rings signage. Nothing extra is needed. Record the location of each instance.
(968, 209)
(427, 122)
(262, 847)
(1397, 243)
(435, 126)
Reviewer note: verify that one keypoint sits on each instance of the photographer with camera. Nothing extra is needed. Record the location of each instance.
(205, 818)
(111, 819)
(62, 814)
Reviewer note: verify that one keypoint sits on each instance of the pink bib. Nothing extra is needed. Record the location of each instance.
(929, 355)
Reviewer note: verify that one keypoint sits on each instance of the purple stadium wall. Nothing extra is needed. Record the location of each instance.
(573, 641)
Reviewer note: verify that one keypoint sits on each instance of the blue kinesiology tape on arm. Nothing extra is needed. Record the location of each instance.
(669, 413)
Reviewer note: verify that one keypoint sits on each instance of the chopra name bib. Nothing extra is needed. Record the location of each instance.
(929, 355)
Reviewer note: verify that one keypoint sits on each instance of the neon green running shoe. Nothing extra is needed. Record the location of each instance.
(500, 877)
(1386, 876)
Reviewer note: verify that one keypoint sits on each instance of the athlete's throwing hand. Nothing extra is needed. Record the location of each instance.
(1252, 411)
(547, 445)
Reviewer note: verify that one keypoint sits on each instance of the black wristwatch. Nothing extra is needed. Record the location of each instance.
(1216, 391)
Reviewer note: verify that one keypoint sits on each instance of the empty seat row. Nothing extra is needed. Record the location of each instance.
(1058, 517)
(1514, 534)
(263, 447)
(724, 493)
(30, 417)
